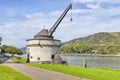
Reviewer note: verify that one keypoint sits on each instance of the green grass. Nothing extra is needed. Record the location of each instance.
(90, 73)
(21, 60)
(7, 73)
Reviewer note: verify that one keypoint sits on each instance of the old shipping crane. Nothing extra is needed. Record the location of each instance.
(43, 47)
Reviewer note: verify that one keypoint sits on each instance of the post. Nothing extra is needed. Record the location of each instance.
(84, 63)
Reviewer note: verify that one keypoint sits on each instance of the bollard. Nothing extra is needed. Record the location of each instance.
(84, 63)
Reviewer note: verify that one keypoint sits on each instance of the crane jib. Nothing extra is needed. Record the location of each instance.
(59, 20)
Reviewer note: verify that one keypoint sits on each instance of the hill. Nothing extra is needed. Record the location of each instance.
(106, 41)
(98, 39)
(23, 49)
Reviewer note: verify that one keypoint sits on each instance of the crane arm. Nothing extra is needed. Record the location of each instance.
(59, 20)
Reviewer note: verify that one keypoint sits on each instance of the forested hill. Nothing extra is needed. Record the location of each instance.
(98, 39)
(102, 43)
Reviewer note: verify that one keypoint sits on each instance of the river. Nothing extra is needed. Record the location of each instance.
(112, 62)
(94, 61)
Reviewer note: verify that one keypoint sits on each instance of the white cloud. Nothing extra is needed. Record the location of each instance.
(35, 15)
(83, 1)
(80, 11)
(93, 6)
(95, 20)
(55, 13)
(89, 1)
(85, 22)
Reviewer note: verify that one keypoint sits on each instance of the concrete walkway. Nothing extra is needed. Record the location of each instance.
(40, 74)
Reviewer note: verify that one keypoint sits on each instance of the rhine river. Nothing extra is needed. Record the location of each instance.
(112, 62)
(94, 61)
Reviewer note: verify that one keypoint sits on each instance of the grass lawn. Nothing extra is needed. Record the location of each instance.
(6, 73)
(21, 60)
(90, 73)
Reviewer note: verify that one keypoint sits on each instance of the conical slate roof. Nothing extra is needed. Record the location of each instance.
(43, 34)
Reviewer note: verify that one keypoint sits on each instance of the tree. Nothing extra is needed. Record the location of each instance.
(11, 50)
(79, 48)
(0, 39)
(66, 49)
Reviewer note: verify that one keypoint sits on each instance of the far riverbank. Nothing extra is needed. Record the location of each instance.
(91, 55)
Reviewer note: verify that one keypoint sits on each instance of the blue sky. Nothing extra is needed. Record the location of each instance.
(22, 19)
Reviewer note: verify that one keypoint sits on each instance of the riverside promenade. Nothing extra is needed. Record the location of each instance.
(38, 73)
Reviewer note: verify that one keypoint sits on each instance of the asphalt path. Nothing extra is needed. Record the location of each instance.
(40, 74)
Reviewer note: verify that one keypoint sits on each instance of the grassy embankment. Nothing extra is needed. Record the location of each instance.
(21, 60)
(7, 73)
(90, 73)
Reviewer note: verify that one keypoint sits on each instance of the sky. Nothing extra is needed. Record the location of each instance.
(22, 19)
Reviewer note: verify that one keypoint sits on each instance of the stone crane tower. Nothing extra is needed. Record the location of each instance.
(43, 47)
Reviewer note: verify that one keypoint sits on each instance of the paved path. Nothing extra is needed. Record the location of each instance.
(40, 74)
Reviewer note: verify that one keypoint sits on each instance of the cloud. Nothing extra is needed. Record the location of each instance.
(55, 13)
(35, 15)
(94, 6)
(80, 11)
(91, 1)
(93, 19)
(12, 33)
(83, 1)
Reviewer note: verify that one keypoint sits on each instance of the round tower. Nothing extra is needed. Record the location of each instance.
(42, 47)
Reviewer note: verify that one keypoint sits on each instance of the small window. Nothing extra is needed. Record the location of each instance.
(52, 56)
(38, 58)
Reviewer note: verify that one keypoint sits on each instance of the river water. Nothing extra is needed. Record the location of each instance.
(94, 61)
(112, 62)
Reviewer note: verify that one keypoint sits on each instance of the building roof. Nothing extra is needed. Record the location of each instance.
(43, 34)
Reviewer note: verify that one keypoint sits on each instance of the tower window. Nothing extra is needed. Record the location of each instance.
(52, 56)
